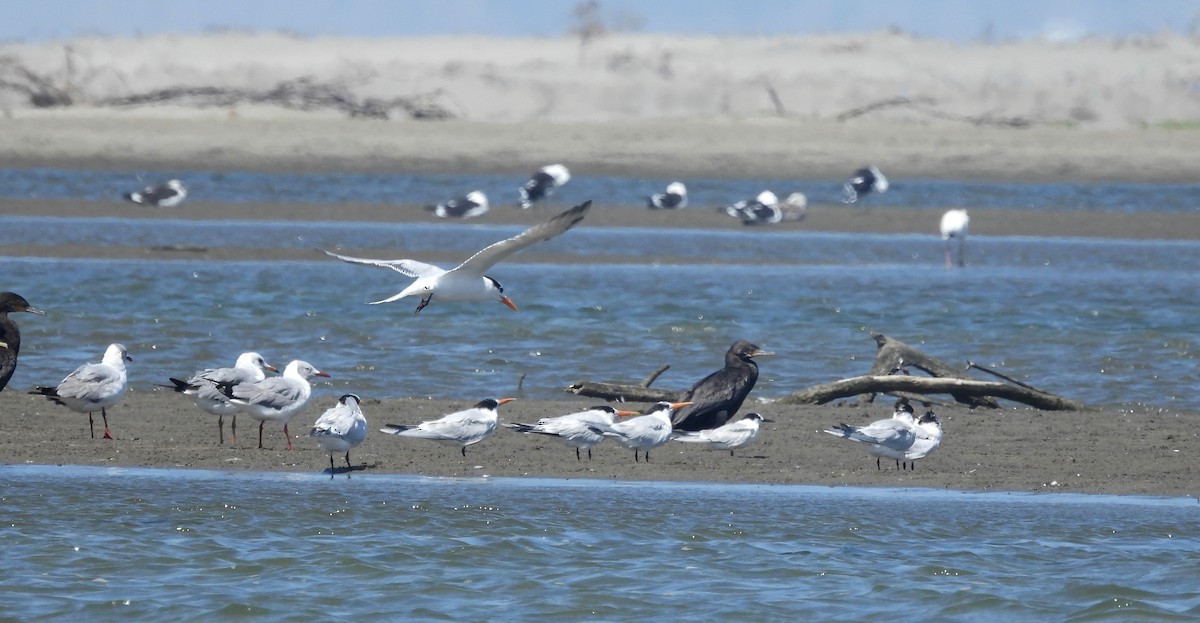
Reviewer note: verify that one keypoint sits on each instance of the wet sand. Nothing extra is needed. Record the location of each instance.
(1009, 449)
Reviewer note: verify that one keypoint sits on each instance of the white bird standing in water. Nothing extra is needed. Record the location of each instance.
(341, 428)
(954, 225)
(731, 436)
(466, 282)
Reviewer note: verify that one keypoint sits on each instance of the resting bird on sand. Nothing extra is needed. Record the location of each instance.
(889, 438)
(461, 428)
(475, 203)
(929, 437)
(674, 198)
(166, 195)
(717, 397)
(278, 398)
(578, 430)
(205, 391)
(543, 183)
(93, 386)
(341, 428)
(466, 282)
(10, 334)
(731, 436)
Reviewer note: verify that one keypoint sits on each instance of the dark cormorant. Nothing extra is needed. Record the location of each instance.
(718, 396)
(10, 335)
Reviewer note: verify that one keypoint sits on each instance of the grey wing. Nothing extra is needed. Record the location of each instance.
(406, 267)
(273, 393)
(490, 255)
(229, 376)
(92, 381)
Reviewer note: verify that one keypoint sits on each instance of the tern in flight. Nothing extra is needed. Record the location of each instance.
(466, 282)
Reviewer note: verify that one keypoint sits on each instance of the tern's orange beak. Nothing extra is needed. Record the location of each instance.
(505, 401)
(677, 405)
(508, 301)
(624, 413)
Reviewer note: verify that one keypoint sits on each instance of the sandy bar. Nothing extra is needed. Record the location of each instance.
(1001, 450)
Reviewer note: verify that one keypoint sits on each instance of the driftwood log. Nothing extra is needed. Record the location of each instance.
(891, 357)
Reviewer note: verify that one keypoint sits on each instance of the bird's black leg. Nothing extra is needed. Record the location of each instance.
(347, 459)
(233, 429)
(464, 451)
(424, 302)
(260, 426)
(91, 426)
(221, 430)
(635, 456)
(579, 458)
(589, 454)
(731, 453)
(877, 464)
(331, 468)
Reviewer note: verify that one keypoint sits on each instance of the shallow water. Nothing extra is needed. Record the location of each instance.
(191, 545)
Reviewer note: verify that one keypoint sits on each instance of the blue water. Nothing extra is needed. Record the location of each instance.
(236, 186)
(191, 545)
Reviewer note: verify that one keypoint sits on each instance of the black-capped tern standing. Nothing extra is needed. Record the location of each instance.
(466, 282)
(731, 436)
(583, 429)
(646, 431)
(341, 428)
(461, 428)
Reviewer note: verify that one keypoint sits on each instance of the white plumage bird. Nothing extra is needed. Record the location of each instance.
(954, 226)
(473, 204)
(167, 195)
(646, 431)
(93, 386)
(466, 282)
(731, 436)
(203, 388)
(461, 428)
(341, 428)
(543, 183)
(277, 399)
(581, 430)
(889, 438)
(674, 198)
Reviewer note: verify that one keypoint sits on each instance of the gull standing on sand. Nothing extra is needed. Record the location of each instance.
(466, 282)
(674, 198)
(579, 430)
(865, 181)
(543, 183)
(716, 398)
(93, 386)
(889, 438)
(731, 436)
(208, 396)
(166, 195)
(645, 432)
(461, 428)
(954, 225)
(10, 333)
(277, 399)
(341, 428)
(475, 203)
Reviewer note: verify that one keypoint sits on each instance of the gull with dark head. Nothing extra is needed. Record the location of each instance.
(467, 281)
(93, 386)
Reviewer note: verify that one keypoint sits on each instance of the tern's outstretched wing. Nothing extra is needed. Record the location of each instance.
(408, 268)
(488, 257)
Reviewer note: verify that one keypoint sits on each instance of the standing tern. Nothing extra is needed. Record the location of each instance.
(717, 397)
(208, 396)
(645, 432)
(277, 399)
(583, 429)
(93, 386)
(466, 282)
(889, 438)
(341, 428)
(729, 437)
(461, 428)
(10, 334)
(929, 438)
